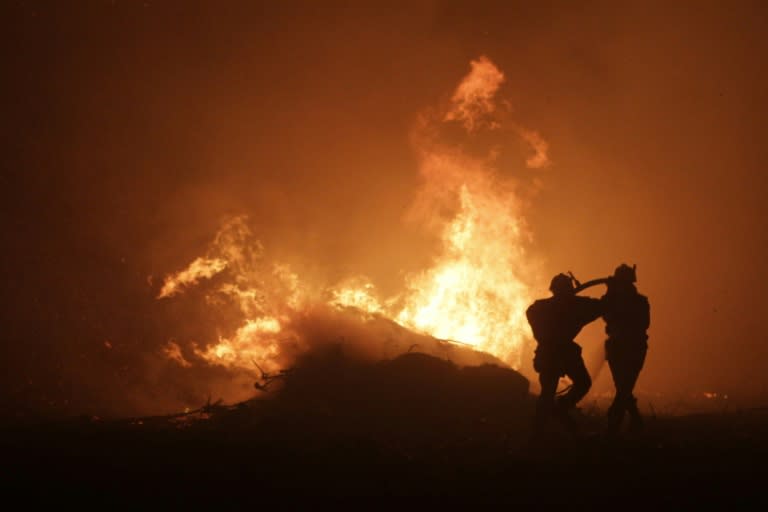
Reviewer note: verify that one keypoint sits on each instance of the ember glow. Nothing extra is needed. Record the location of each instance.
(475, 292)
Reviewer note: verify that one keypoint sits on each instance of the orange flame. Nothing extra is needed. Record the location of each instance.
(200, 268)
(255, 340)
(358, 293)
(473, 98)
(172, 350)
(475, 292)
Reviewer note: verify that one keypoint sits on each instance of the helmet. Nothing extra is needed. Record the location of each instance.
(625, 273)
(561, 283)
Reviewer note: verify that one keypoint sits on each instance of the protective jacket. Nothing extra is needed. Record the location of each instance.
(556, 321)
(627, 318)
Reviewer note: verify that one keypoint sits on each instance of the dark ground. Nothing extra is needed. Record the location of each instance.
(416, 429)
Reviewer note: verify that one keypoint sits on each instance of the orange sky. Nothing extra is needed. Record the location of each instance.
(132, 130)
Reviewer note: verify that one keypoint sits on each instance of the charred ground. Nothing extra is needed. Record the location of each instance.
(415, 427)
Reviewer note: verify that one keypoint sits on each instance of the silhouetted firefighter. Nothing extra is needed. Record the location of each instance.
(555, 322)
(627, 318)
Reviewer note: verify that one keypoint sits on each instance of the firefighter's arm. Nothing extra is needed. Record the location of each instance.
(592, 309)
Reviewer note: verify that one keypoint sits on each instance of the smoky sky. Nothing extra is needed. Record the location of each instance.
(131, 129)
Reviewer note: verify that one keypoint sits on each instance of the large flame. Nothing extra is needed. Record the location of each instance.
(474, 293)
(478, 289)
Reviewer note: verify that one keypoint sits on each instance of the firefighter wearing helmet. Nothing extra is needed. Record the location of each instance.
(627, 318)
(555, 322)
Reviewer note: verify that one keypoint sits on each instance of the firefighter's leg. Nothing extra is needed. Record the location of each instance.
(617, 408)
(548, 380)
(579, 375)
(635, 364)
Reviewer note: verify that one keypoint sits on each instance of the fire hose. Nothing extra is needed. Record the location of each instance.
(583, 286)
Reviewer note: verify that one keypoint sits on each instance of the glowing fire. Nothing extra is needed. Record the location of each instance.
(201, 268)
(475, 292)
(474, 97)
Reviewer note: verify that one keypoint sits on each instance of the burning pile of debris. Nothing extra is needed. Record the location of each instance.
(416, 391)
(414, 395)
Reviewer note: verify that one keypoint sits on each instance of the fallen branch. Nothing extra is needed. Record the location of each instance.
(267, 378)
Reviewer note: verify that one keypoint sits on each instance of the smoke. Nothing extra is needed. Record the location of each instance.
(540, 147)
(172, 351)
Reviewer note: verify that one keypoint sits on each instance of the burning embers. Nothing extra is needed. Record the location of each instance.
(475, 292)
